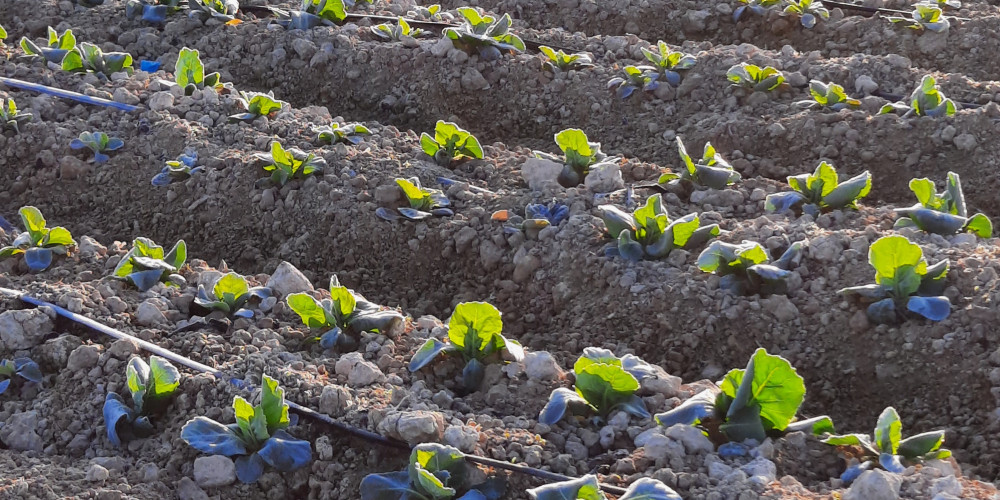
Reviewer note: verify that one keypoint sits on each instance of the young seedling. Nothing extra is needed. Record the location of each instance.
(485, 35)
(145, 264)
(432, 13)
(648, 233)
(256, 104)
(98, 142)
(348, 133)
(828, 96)
(22, 367)
(926, 100)
(587, 488)
(224, 10)
(925, 16)
(257, 438)
(755, 78)
(954, 4)
(189, 73)
(668, 62)
(558, 60)
(746, 268)
(178, 170)
(636, 77)
(759, 401)
(343, 316)
(942, 213)
(820, 191)
(903, 282)
(537, 216)
(424, 202)
(293, 163)
(397, 32)
(11, 117)
(3, 36)
(314, 13)
(711, 171)
(450, 143)
(604, 383)
(579, 156)
(887, 448)
(89, 58)
(807, 11)
(151, 386)
(436, 472)
(57, 47)
(231, 294)
(474, 334)
(38, 243)
(759, 7)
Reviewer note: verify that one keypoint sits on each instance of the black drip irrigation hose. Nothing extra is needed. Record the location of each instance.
(302, 410)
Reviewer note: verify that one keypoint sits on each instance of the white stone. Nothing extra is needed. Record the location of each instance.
(463, 437)
(604, 178)
(691, 437)
(161, 101)
(213, 471)
(359, 372)
(539, 172)
(286, 280)
(148, 314)
(23, 328)
(540, 365)
(875, 485)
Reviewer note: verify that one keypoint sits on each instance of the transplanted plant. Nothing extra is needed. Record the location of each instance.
(178, 170)
(668, 62)
(926, 100)
(711, 170)
(537, 216)
(636, 77)
(348, 133)
(485, 35)
(3, 36)
(954, 4)
(648, 233)
(587, 488)
(925, 16)
(257, 438)
(341, 316)
(903, 282)
(829, 96)
(189, 73)
(433, 13)
(145, 264)
(38, 243)
(474, 334)
(397, 32)
(754, 403)
(11, 117)
(450, 143)
(98, 142)
(256, 104)
(820, 191)
(151, 386)
(89, 58)
(755, 78)
(22, 367)
(424, 202)
(808, 11)
(759, 7)
(231, 294)
(579, 156)
(746, 268)
(436, 472)
(57, 47)
(314, 13)
(222, 9)
(558, 60)
(942, 213)
(604, 383)
(293, 163)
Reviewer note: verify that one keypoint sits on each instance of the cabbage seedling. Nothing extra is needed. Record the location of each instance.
(397, 32)
(807, 11)
(820, 191)
(189, 73)
(579, 156)
(759, 401)
(759, 7)
(485, 35)
(474, 334)
(22, 367)
(11, 117)
(903, 282)
(942, 213)
(293, 163)
(314, 13)
(648, 233)
(345, 313)
(223, 9)
(636, 77)
(3, 36)
(257, 438)
(926, 100)
(349, 133)
(604, 383)
(558, 60)
(256, 104)
(925, 16)
(829, 96)
(89, 58)
(435, 472)
(57, 47)
(755, 78)
(151, 387)
(587, 488)
(712, 170)
(98, 142)
(746, 268)
(38, 243)
(230, 294)
(424, 202)
(888, 449)
(178, 170)
(145, 264)
(668, 62)
(537, 216)
(450, 143)
(432, 13)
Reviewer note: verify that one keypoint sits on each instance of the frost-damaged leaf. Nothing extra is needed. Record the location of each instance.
(285, 453)
(209, 436)
(932, 308)
(691, 412)
(28, 370)
(559, 401)
(649, 489)
(389, 486)
(428, 352)
(249, 468)
(816, 426)
(38, 259)
(919, 445)
(584, 488)
(115, 413)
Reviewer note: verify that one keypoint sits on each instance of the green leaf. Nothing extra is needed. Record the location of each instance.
(272, 402)
(137, 378)
(165, 377)
(309, 309)
(775, 387)
(473, 325)
(189, 69)
(889, 253)
(244, 413)
(584, 488)
(346, 303)
(978, 224)
(575, 140)
(34, 223)
(177, 255)
(604, 386)
(682, 229)
(432, 485)
(435, 458)
(60, 236)
(825, 179)
(230, 288)
(917, 446)
(412, 192)
(924, 189)
(428, 145)
(888, 431)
